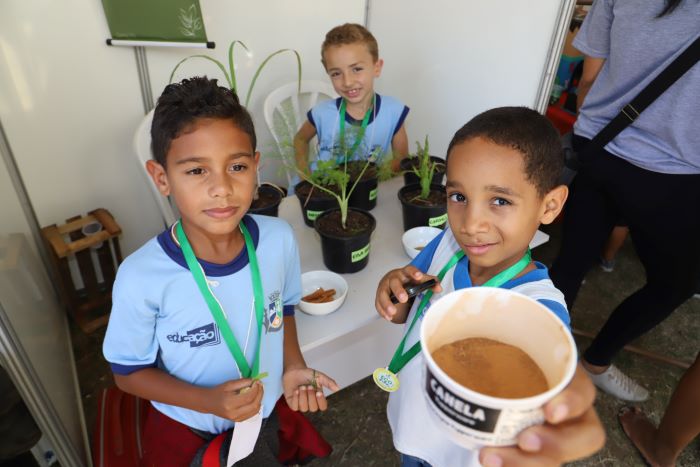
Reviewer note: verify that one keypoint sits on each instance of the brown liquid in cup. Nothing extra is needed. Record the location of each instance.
(492, 368)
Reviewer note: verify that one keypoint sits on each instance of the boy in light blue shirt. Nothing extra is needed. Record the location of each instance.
(202, 322)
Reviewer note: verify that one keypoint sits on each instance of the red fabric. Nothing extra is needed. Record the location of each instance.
(118, 429)
(211, 455)
(299, 440)
(562, 119)
(167, 443)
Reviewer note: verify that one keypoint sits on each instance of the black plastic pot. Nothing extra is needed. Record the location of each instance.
(417, 214)
(409, 177)
(346, 254)
(273, 191)
(317, 203)
(364, 196)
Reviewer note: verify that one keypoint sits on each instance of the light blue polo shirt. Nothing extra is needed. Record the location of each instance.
(160, 319)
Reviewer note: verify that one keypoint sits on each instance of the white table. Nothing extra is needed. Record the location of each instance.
(351, 342)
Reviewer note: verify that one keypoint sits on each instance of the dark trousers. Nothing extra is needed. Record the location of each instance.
(663, 214)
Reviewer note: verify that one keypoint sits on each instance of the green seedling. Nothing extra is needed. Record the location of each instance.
(425, 168)
(332, 177)
(255, 378)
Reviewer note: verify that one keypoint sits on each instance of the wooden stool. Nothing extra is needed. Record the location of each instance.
(90, 305)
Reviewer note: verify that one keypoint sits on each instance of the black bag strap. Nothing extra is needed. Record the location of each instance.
(649, 94)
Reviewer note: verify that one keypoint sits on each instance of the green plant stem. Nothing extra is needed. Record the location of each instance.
(262, 65)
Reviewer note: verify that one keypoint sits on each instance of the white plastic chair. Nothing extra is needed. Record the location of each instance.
(142, 148)
(285, 111)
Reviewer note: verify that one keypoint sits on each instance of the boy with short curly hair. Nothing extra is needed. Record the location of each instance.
(202, 322)
(502, 183)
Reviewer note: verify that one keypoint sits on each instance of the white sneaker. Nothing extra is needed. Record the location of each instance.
(618, 384)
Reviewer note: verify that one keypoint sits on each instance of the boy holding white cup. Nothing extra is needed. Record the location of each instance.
(502, 173)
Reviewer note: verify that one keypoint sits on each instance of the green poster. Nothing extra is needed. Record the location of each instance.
(155, 20)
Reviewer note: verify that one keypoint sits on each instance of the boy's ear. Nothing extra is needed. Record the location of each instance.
(159, 176)
(553, 203)
(378, 67)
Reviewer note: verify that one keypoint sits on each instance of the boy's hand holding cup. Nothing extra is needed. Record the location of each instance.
(475, 419)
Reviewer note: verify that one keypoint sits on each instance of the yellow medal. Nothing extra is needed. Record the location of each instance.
(385, 379)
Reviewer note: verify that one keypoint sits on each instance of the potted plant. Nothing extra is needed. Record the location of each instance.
(267, 195)
(314, 191)
(365, 194)
(267, 199)
(345, 231)
(412, 166)
(425, 202)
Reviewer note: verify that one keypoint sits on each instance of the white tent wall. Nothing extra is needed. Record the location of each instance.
(70, 104)
(450, 60)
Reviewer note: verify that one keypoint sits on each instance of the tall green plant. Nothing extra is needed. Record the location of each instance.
(329, 174)
(425, 168)
(230, 74)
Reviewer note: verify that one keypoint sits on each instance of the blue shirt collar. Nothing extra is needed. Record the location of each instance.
(349, 119)
(170, 248)
(462, 280)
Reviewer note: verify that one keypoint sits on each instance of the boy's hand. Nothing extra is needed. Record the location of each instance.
(394, 282)
(303, 389)
(571, 431)
(235, 400)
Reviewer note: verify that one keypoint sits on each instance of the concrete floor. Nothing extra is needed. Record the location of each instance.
(356, 425)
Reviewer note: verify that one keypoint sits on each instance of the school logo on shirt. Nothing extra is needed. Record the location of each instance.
(273, 313)
(198, 337)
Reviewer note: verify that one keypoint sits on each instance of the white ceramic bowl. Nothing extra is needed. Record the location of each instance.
(313, 280)
(415, 239)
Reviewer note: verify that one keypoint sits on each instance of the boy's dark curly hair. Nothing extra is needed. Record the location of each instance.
(183, 103)
(524, 130)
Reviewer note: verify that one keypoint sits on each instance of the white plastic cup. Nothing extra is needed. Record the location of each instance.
(472, 419)
(92, 228)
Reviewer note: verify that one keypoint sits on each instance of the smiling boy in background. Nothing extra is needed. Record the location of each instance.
(360, 122)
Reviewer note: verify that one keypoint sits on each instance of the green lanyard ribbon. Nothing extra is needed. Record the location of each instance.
(400, 359)
(215, 307)
(360, 135)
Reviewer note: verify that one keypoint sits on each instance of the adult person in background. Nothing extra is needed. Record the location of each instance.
(649, 175)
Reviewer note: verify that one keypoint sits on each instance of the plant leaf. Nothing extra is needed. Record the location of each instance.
(262, 65)
(232, 82)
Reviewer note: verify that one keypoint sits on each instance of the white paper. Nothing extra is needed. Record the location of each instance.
(245, 434)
